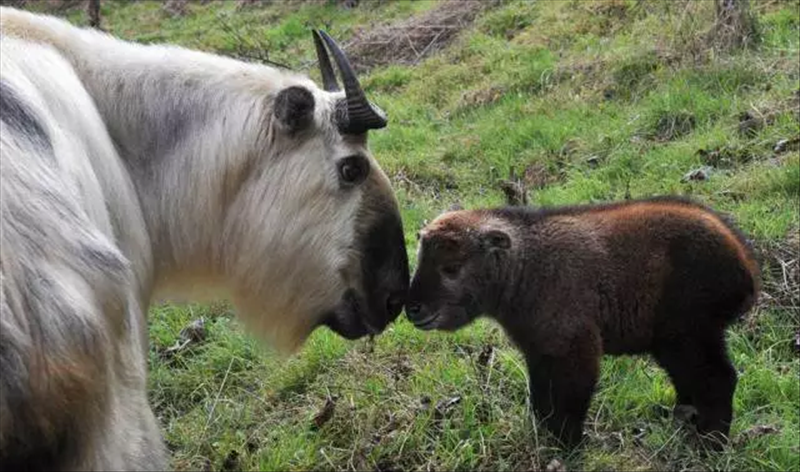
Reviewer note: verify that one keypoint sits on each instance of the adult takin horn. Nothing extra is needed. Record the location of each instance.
(325, 67)
(354, 115)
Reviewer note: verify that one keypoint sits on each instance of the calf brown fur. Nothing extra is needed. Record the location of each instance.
(664, 276)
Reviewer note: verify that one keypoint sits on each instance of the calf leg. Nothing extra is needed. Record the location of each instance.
(682, 383)
(701, 370)
(683, 397)
(562, 387)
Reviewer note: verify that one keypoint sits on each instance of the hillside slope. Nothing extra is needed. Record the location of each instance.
(586, 101)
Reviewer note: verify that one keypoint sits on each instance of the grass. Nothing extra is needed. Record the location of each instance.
(595, 100)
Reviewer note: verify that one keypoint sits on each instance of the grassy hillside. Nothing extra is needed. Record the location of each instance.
(588, 101)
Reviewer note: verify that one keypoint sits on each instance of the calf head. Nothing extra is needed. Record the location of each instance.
(461, 257)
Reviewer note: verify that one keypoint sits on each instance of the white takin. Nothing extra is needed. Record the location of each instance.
(129, 172)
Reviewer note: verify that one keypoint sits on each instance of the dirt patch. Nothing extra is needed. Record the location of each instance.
(401, 368)
(608, 17)
(514, 189)
(701, 174)
(420, 180)
(55, 6)
(754, 120)
(445, 407)
(755, 432)
(347, 4)
(413, 39)
(629, 79)
(672, 125)
(750, 124)
(735, 26)
(724, 157)
(583, 71)
(231, 462)
(506, 24)
(325, 413)
(194, 333)
(480, 97)
(635, 75)
(175, 7)
(780, 265)
(786, 145)
(538, 176)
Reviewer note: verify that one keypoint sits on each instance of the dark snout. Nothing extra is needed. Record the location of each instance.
(416, 311)
(420, 316)
(446, 317)
(413, 311)
(429, 306)
(384, 271)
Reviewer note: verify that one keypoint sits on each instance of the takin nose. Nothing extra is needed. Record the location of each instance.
(394, 303)
(385, 268)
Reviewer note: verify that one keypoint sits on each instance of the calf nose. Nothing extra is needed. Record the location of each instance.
(412, 310)
(394, 303)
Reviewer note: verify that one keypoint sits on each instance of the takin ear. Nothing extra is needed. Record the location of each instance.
(496, 239)
(294, 109)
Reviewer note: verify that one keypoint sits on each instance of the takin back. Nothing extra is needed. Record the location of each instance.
(662, 276)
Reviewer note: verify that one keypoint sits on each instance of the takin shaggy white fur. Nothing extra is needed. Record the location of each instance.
(132, 171)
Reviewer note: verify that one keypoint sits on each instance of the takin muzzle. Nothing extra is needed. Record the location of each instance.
(384, 273)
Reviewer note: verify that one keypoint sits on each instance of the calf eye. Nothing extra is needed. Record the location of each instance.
(353, 169)
(450, 270)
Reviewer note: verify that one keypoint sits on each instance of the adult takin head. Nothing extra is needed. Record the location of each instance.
(663, 276)
(132, 172)
(330, 231)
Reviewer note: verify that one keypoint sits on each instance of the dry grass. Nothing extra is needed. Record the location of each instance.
(735, 26)
(703, 29)
(781, 272)
(412, 40)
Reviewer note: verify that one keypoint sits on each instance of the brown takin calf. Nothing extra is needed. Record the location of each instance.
(663, 276)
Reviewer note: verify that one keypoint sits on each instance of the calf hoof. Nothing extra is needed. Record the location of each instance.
(713, 441)
(685, 414)
(573, 440)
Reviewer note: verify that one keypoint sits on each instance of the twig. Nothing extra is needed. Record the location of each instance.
(421, 55)
(666, 443)
(216, 400)
(243, 44)
(328, 459)
(411, 45)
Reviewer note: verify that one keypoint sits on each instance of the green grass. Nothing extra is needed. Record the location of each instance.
(543, 86)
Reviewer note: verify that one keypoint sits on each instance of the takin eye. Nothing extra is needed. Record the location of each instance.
(353, 170)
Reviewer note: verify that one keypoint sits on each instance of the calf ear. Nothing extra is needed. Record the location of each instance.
(446, 242)
(497, 239)
(294, 109)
